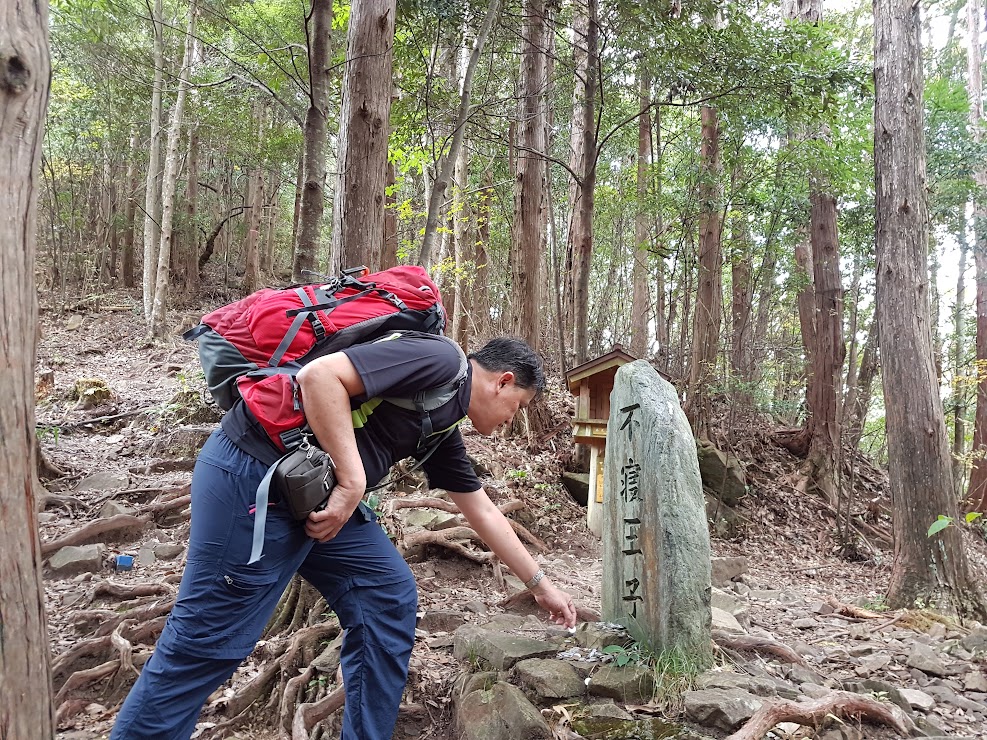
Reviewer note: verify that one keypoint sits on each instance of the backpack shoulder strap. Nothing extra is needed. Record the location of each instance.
(429, 399)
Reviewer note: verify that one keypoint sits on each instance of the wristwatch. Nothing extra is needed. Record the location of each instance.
(535, 579)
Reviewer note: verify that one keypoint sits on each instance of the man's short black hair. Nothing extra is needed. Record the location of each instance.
(512, 354)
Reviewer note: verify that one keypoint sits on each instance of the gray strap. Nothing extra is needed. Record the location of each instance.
(292, 332)
(260, 513)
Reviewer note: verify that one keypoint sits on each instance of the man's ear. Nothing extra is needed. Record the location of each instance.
(505, 379)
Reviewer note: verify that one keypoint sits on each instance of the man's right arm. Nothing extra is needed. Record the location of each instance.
(327, 384)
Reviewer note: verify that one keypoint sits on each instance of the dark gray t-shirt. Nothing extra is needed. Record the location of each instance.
(386, 433)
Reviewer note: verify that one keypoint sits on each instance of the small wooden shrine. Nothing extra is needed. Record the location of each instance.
(591, 384)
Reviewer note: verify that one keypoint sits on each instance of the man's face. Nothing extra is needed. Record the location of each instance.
(494, 404)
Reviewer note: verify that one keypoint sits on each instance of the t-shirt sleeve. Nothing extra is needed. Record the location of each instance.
(450, 469)
(401, 367)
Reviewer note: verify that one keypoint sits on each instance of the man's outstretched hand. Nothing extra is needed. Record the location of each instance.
(556, 602)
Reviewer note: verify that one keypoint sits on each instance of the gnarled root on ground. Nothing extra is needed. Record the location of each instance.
(287, 679)
(120, 524)
(757, 645)
(839, 704)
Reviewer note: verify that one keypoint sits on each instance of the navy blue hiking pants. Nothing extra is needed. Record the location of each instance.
(224, 604)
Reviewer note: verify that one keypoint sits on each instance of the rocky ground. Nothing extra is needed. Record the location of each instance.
(799, 617)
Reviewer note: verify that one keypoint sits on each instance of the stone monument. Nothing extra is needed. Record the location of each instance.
(656, 554)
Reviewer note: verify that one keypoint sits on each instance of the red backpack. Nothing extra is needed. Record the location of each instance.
(252, 348)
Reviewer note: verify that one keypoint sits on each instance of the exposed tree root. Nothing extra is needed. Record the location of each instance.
(451, 539)
(160, 507)
(108, 620)
(121, 591)
(757, 645)
(850, 610)
(68, 709)
(53, 500)
(117, 525)
(81, 679)
(308, 715)
(812, 713)
(124, 648)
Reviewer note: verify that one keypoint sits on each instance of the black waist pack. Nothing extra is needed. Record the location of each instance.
(304, 478)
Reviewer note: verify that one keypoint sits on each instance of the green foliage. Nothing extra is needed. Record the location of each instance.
(944, 521)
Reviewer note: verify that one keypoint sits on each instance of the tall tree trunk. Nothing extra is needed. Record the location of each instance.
(314, 157)
(358, 208)
(977, 491)
(579, 33)
(741, 310)
(581, 232)
(958, 396)
(481, 298)
(709, 299)
(662, 314)
(152, 201)
(255, 203)
(859, 395)
(296, 213)
(389, 255)
(25, 671)
(929, 570)
(827, 366)
(529, 211)
(640, 297)
(447, 163)
(130, 213)
(272, 198)
(191, 256)
(169, 181)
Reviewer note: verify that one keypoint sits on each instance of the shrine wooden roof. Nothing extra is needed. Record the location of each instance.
(613, 359)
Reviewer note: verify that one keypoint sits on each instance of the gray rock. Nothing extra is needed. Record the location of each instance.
(805, 623)
(441, 621)
(444, 520)
(609, 710)
(655, 543)
(947, 695)
(598, 635)
(926, 660)
(872, 665)
(765, 595)
(146, 555)
(105, 480)
(416, 517)
(499, 649)
(975, 681)
(731, 604)
(918, 699)
(628, 684)
(725, 570)
(721, 709)
(723, 620)
(976, 641)
(880, 688)
(721, 473)
(757, 685)
(467, 683)
(800, 674)
(168, 550)
(814, 691)
(69, 561)
(112, 508)
(500, 713)
(549, 679)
